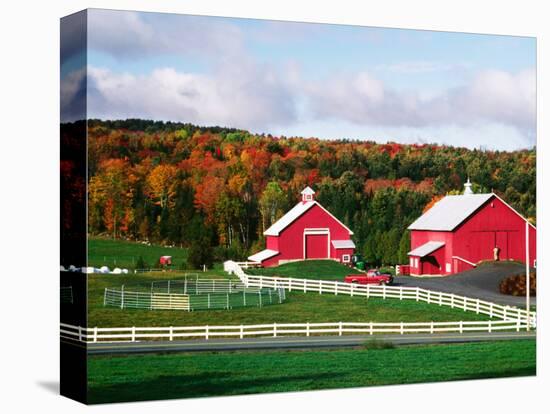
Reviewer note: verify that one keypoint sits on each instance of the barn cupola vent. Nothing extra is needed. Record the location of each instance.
(468, 187)
(307, 194)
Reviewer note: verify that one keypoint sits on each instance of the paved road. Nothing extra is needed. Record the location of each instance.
(479, 283)
(282, 343)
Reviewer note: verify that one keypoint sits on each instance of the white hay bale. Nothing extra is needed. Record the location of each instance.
(103, 269)
(72, 268)
(62, 268)
(125, 271)
(117, 271)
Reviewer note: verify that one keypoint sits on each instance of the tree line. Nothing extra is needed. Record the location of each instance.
(217, 189)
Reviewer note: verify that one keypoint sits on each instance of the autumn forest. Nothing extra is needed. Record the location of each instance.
(217, 189)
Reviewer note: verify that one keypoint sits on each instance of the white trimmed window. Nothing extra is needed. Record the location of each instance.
(346, 258)
(448, 267)
(411, 261)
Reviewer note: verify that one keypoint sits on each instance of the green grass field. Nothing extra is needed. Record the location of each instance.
(124, 254)
(299, 307)
(184, 375)
(308, 269)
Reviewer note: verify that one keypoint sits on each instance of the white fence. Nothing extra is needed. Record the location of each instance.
(136, 334)
(493, 310)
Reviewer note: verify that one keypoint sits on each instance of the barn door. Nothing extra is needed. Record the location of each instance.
(316, 246)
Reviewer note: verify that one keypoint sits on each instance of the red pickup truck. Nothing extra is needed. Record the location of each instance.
(372, 277)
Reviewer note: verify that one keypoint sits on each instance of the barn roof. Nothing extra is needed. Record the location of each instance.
(426, 249)
(295, 212)
(343, 244)
(263, 255)
(449, 212)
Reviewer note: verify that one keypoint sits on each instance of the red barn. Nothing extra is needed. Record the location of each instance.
(307, 231)
(459, 231)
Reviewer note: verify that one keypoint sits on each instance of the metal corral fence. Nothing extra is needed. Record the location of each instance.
(493, 310)
(216, 299)
(135, 334)
(197, 286)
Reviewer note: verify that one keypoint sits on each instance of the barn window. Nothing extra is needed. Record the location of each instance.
(448, 267)
(411, 261)
(345, 258)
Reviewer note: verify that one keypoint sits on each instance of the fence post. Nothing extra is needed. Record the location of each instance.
(208, 296)
(171, 333)
(244, 298)
(383, 291)
(340, 328)
(305, 284)
(79, 334)
(133, 334)
(371, 327)
(122, 298)
(417, 294)
(452, 300)
(105, 297)
(95, 333)
(274, 330)
(477, 306)
(351, 289)
(518, 321)
(400, 293)
(490, 325)
(320, 287)
(307, 328)
(260, 298)
(460, 327)
(290, 284)
(440, 299)
(505, 308)
(491, 311)
(368, 291)
(431, 327)
(206, 332)
(241, 333)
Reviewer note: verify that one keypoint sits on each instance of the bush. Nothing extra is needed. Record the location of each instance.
(377, 344)
(516, 285)
(200, 253)
(140, 263)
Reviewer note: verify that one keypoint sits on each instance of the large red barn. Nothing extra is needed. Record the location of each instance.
(459, 231)
(307, 231)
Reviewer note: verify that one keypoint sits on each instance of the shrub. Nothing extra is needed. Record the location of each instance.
(516, 285)
(140, 263)
(200, 253)
(377, 344)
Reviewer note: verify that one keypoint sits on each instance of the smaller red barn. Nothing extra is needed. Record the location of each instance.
(460, 231)
(307, 231)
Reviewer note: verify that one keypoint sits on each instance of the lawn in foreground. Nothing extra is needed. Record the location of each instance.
(147, 377)
(307, 269)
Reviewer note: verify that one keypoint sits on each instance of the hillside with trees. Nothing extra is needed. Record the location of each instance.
(218, 188)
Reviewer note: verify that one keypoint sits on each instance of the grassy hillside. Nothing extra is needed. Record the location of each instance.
(147, 377)
(307, 269)
(125, 254)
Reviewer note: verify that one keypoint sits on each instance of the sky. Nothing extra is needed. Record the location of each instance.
(310, 80)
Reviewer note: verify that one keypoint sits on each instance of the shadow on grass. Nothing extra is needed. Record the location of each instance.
(201, 385)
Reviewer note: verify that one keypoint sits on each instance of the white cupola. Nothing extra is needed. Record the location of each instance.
(468, 187)
(307, 194)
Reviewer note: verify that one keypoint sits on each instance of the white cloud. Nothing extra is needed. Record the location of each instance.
(252, 98)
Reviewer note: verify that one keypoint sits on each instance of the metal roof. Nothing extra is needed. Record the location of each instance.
(263, 255)
(426, 248)
(293, 214)
(449, 212)
(343, 244)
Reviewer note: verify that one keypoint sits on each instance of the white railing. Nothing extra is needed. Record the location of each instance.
(479, 306)
(136, 334)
